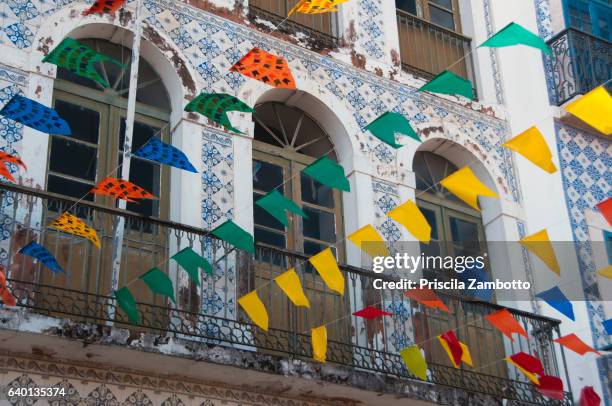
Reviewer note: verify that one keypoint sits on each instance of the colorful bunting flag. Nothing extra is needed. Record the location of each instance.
(5, 294)
(329, 173)
(410, 216)
(232, 233)
(369, 241)
(529, 366)
(466, 357)
(73, 225)
(191, 261)
(514, 34)
(215, 106)
(539, 244)
(452, 346)
(574, 343)
(5, 160)
(79, 59)
(556, 299)
(276, 204)
(121, 189)
(35, 115)
(607, 325)
(475, 273)
(158, 282)
(371, 312)
(606, 272)
(605, 208)
(104, 7)
(319, 343)
(127, 303)
(426, 297)
(325, 264)
(595, 109)
(449, 83)
(157, 151)
(37, 251)
(255, 309)
(290, 283)
(552, 387)
(415, 362)
(265, 67)
(388, 125)
(532, 145)
(467, 187)
(588, 397)
(506, 323)
(316, 7)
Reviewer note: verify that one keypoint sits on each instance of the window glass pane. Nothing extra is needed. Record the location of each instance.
(263, 218)
(267, 176)
(84, 122)
(465, 236)
(408, 6)
(441, 17)
(315, 192)
(430, 215)
(147, 176)
(270, 238)
(447, 4)
(142, 133)
(68, 187)
(72, 158)
(319, 225)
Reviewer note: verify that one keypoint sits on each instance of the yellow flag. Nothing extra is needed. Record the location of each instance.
(595, 109)
(73, 225)
(290, 283)
(467, 187)
(532, 377)
(368, 240)
(410, 216)
(296, 7)
(316, 6)
(416, 364)
(539, 244)
(319, 343)
(606, 272)
(466, 357)
(256, 310)
(325, 263)
(444, 345)
(532, 145)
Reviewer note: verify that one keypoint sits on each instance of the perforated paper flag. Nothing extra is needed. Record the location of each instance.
(556, 299)
(35, 115)
(255, 309)
(574, 343)
(388, 125)
(319, 343)
(325, 264)
(79, 59)
(127, 303)
(233, 234)
(414, 361)
(588, 397)
(316, 6)
(506, 323)
(276, 205)
(514, 34)
(265, 67)
(5, 294)
(449, 83)
(5, 161)
(290, 283)
(215, 106)
(121, 189)
(532, 145)
(369, 241)
(411, 217)
(605, 208)
(158, 282)
(426, 297)
(158, 151)
(104, 7)
(467, 187)
(539, 244)
(328, 173)
(191, 262)
(73, 225)
(37, 251)
(595, 109)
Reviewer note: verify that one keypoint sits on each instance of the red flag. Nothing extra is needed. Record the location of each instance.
(104, 7)
(121, 189)
(5, 159)
(588, 397)
(551, 386)
(371, 313)
(454, 346)
(426, 297)
(605, 208)
(574, 343)
(506, 323)
(528, 362)
(5, 294)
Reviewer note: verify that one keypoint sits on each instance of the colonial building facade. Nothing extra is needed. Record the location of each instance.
(349, 67)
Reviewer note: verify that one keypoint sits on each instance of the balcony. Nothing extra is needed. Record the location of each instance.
(580, 63)
(427, 49)
(370, 347)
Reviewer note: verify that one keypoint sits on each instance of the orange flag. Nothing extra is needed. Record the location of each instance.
(73, 225)
(5, 294)
(574, 343)
(121, 189)
(6, 159)
(426, 297)
(104, 7)
(506, 323)
(265, 67)
(316, 6)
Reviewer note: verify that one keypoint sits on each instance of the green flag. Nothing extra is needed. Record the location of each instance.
(329, 173)
(79, 59)
(232, 233)
(158, 282)
(387, 125)
(190, 261)
(126, 301)
(449, 83)
(216, 105)
(276, 204)
(514, 34)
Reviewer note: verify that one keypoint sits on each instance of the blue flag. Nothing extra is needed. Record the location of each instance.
(155, 150)
(40, 253)
(608, 326)
(555, 298)
(479, 275)
(35, 115)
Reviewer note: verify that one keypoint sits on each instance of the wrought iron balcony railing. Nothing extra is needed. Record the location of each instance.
(580, 62)
(209, 314)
